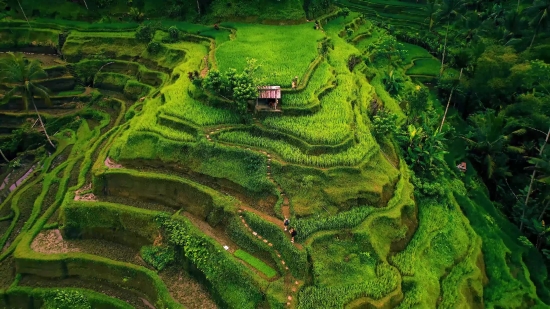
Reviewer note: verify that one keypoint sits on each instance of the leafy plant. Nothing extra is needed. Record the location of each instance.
(153, 47)
(384, 124)
(158, 256)
(174, 33)
(136, 14)
(145, 33)
(66, 299)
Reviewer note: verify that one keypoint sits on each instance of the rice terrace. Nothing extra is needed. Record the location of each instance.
(274, 154)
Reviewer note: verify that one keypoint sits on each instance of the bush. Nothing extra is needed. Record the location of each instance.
(158, 257)
(66, 299)
(174, 33)
(145, 33)
(153, 47)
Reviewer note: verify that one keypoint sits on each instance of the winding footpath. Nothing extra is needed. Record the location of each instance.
(292, 285)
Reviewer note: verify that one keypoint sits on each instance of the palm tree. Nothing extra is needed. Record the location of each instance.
(449, 10)
(462, 60)
(540, 165)
(488, 145)
(3, 156)
(23, 11)
(539, 11)
(431, 10)
(20, 73)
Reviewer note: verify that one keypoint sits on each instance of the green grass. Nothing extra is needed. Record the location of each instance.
(308, 96)
(350, 157)
(70, 93)
(256, 263)
(283, 51)
(428, 67)
(414, 52)
(178, 102)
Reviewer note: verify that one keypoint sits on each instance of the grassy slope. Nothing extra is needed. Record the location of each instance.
(283, 51)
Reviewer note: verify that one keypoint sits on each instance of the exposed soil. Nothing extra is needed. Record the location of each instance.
(186, 290)
(131, 297)
(51, 242)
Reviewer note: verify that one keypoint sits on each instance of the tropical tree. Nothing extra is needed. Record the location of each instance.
(449, 10)
(540, 19)
(487, 144)
(462, 60)
(21, 74)
(541, 165)
(4, 157)
(431, 12)
(23, 11)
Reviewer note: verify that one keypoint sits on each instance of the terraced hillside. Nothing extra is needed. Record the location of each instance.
(159, 195)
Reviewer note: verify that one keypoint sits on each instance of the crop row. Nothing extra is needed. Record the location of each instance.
(292, 154)
(321, 77)
(331, 125)
(281, 56)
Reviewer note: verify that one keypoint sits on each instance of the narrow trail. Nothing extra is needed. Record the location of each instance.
(292, 285)
(204, 71)
(286, 204)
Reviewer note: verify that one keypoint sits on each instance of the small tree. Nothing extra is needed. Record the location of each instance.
(21, 74)
(345, 12)
(384, 124)
(174, 33)
(145, 33)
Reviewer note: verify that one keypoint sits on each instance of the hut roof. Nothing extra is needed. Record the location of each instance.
(269, 92)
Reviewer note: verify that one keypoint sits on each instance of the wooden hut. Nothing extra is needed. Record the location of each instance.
(269, 99)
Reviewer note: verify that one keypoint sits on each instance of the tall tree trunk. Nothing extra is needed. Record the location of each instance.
(86, 4)
(198, 7)
(449, 101)
(42, 123)
(23, 11)
(518, 6)
(3, 156)
(544, 210)
(536, 30)
(533, 39)
(444, 48)
(531, 183)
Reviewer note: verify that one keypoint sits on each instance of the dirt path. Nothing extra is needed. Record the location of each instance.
(204, 71)
(291, 284)
(286, 205)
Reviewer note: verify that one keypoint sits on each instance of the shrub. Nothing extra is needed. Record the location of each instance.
(158, 257)
(153, 47)
(145, 33)
(174, 33)
(66, 299)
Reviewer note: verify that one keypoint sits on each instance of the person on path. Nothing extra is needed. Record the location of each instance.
(286, 223)
(293, 234)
